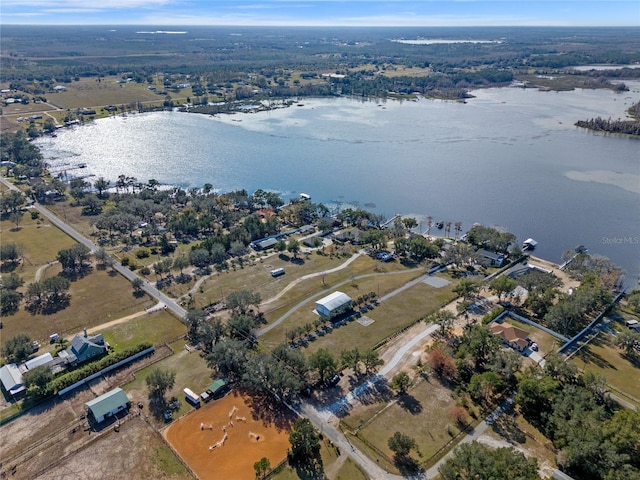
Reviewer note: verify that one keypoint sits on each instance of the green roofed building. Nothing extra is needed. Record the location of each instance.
(108, 404)
(218, 388)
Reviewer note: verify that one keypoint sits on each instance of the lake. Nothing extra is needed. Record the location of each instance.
(509, 157)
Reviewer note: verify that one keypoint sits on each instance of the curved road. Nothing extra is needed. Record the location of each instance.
(319, 417)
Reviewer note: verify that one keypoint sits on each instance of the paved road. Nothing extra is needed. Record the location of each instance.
(125, 272)
(320, 418)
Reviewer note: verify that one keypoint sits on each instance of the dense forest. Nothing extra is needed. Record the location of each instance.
(364, 60)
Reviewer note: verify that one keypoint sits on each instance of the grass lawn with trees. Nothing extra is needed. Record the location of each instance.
(423, 414)
(313, 287)
(191, 372)
(389, 317)
(601, 355)
(97, 298)
(39, 240)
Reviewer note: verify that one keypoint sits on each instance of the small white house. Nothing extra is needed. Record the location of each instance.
(333, 304)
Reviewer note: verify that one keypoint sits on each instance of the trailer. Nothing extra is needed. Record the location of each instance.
(191, 397)
(277, 272)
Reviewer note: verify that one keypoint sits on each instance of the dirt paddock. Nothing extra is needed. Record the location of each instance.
(224, 438)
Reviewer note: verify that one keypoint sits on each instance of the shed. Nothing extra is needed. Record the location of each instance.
(108, 404)
(38, 361)
(218, 388)
(266, 243)
(333, 304)
(11, 379)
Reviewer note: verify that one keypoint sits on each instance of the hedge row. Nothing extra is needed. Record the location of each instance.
(66, 379)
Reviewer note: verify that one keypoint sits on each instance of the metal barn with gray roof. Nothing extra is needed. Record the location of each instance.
(333, 304)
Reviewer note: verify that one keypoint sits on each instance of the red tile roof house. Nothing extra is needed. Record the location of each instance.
(512, 336)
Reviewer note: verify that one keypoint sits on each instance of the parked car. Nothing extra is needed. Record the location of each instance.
(534, 346)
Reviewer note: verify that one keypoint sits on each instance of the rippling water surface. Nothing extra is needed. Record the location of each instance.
(509, 157)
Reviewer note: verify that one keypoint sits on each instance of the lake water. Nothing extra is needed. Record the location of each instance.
(510, 157)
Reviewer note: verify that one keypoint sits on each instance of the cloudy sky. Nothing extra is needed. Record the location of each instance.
(324, 12)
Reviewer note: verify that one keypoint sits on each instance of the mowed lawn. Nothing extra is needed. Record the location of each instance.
(602, 356)
(91, 93)
(388, 317)
(99, 297)
(423, 414)
(39, 241)
(191, 372)
(155, 328)
(255, 276)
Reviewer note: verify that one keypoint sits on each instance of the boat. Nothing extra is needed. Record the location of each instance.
(440, 225)
(581, 249)
(529, 244)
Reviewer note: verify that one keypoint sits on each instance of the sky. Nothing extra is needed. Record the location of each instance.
(323, 12)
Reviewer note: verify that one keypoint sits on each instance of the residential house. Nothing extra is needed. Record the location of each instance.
(496, 259)
(512, 336)
(83, 348)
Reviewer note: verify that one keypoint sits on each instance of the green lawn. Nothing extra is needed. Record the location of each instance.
(191, 372)
(423, 415)
(602, 356)
(155, 328)
(39, 240)
(389, 317)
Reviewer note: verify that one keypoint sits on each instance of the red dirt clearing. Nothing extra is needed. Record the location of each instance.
(224, 438)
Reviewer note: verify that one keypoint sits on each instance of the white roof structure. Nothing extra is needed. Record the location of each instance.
(11, 378)
(38, 361)
(332, 303)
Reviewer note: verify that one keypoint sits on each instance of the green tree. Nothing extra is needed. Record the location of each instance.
(371, 360)
(474, 461)
(401, 382)
(444, 318)
(101, 185)
(480, 344)
(137, 284)
(17, 348)
(240, 300)
(350, 358)
(304, 440)
(502, 285)
(159, 381)
(10, 252)
(323, 362)
(262, 467)
(484, 386)
(467, 288)
(401, 444)
(193, 319)
(629, 341)
(37, 379)
(294, 247)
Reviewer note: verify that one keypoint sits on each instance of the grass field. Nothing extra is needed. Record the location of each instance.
(388, 317)
(600, 355)
(39, 240)
(155, 328)
(422, 414)
(191, 371)
(99, 297)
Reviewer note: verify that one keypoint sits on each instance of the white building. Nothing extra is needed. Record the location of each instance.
(11, 379)
(333, 304)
